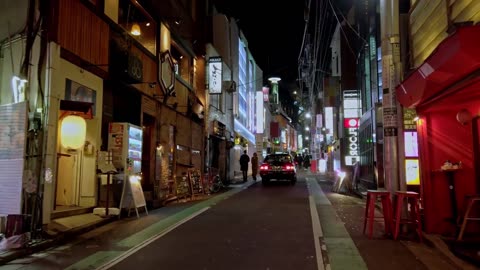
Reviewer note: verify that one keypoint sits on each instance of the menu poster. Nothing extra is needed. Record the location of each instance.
(137, 194)
(13, 125)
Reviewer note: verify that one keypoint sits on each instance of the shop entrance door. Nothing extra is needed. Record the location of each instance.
(67, 178)
(476, 150)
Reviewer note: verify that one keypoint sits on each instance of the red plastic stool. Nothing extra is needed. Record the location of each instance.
(372, 196)
(413, 198)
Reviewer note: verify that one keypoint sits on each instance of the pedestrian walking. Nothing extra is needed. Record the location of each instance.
(254, 166)
(244, 159)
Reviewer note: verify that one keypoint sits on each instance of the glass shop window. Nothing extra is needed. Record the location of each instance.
(182, 63)
(138, 23)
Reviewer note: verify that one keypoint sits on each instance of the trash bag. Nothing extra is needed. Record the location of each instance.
(14, 242)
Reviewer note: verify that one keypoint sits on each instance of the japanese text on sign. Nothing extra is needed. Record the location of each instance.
(215, 75)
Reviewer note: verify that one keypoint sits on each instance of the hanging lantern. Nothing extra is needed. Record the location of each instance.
(73, 132)
(136, 30)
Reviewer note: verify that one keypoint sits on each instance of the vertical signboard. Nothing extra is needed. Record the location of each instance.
(329, 121)
(259, 121)
(215, 75)
(351, 128)
(351, 112)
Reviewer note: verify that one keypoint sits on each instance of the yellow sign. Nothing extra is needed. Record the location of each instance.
(412, 172)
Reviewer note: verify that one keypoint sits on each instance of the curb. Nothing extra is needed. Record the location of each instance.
(48, 243)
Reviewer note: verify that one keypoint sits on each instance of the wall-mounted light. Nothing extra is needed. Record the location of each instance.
(464, 116)
(136, 31)
(73, 132)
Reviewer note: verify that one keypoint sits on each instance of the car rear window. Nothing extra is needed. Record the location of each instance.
(278, 158)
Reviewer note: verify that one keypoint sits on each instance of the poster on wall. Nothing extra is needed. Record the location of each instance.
(13, 125)
(77, 92)
(116, 133)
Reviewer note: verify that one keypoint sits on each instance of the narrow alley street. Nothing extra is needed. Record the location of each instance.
(251, 226)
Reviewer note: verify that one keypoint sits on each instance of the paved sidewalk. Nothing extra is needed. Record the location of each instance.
(125, 231)
(381, 252)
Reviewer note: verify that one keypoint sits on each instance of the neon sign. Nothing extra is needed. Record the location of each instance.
(351, 127)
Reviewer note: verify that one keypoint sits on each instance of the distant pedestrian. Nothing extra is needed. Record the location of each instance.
(306, 162)
(254, 166)
(244, 159)
(300, 161)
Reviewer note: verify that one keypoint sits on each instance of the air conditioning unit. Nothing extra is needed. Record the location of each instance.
(229, 86)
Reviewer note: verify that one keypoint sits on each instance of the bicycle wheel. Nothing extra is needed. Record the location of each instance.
(216, 185)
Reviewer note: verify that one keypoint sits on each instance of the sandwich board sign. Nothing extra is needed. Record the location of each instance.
(132, 195)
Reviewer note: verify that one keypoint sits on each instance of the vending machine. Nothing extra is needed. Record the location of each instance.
(125, 143)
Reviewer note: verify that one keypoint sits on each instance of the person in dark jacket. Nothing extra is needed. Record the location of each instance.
(244, 159)
(254, 162)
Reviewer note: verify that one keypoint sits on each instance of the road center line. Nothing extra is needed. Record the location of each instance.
(145, 243)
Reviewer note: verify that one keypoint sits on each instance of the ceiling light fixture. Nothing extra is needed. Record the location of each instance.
(136, 31)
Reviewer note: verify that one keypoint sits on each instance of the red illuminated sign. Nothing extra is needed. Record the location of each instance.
(266, 92)
(351, 122)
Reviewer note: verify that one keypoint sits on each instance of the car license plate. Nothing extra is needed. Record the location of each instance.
(277, 168)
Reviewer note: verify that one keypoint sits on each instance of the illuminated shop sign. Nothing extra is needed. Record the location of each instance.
(351, 104)
(351, 130)
(411, 144)
(412, 172)
(215, 75)
(351, 123)
(266, 93)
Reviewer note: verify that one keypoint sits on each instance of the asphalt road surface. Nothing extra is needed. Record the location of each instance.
(262, 227)
(274, 227)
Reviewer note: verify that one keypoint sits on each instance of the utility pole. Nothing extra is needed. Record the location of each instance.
(392, 111)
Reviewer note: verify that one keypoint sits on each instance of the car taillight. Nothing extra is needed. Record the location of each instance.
(289, 167)
(264, 167)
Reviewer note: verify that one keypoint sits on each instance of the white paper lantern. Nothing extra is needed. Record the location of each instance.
(73, 132)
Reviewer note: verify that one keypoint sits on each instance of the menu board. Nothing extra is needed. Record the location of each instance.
(133, 196)
(196, 181)
(183, 186)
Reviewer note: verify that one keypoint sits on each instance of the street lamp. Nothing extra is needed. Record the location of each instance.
(307, 129)
(308, 115)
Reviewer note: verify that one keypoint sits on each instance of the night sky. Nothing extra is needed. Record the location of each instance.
(274, 32)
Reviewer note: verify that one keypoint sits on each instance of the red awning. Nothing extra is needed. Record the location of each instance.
(456, 57)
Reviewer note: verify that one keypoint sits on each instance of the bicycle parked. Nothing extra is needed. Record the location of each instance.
(215, 183)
